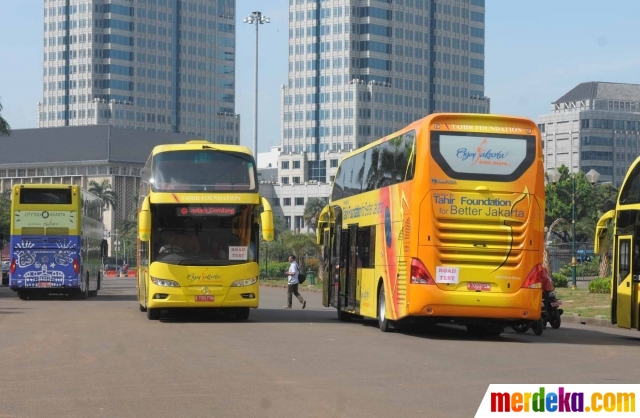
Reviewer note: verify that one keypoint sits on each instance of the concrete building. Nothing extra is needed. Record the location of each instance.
(79, 155)
(268, 159)
(161, 65)
(288, 200)
(360, 70)
(596, 125)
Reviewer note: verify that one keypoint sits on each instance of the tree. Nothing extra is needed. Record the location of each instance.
(5, 216)
(128, 237)
(5, 129)
(299, 244)
(605, 250)
(312, 211)
(104, 192)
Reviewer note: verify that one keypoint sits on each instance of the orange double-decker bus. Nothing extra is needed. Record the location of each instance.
(441, 221)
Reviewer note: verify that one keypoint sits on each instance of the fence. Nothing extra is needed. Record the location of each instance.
(587, 267)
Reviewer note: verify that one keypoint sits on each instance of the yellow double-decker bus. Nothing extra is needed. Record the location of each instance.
(198, 229)
(441, 222)
(622, 226)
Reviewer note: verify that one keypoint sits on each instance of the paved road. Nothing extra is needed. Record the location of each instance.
(103, 358)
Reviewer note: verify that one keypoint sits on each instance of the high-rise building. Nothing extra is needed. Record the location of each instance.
(360, 70)
(165, 65)
(595, 125)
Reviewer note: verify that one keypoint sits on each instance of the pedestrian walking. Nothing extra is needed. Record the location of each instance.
(292, 288)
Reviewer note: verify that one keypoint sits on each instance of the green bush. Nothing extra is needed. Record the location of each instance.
(275, 270)
(312, 265)
(559, 280)
(601, 285)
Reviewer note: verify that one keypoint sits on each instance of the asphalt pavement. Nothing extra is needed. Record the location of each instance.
(103, 358)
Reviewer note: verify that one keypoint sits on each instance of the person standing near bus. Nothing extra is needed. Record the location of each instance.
(292, 288)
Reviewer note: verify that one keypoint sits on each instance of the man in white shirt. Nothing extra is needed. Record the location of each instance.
(292, 288)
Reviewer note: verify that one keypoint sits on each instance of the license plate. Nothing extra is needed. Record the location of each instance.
(204, 298)
(478, 286)
(44, 284)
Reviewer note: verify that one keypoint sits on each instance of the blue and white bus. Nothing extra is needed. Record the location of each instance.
(56, 242)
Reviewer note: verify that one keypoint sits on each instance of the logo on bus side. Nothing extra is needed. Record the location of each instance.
(483, 154)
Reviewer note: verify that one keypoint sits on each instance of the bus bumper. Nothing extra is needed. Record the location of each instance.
(30, 284)
(430, 301)
(161, 297)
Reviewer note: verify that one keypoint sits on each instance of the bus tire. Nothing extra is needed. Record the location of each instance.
(343, 316)
(84, 294)
(242, 314)
(94, 293)
(23, 295)
(383, 322)
(538, 326)
(142, 308)
(153, 314)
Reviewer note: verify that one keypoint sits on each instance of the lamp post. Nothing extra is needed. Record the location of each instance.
(258, 19)
(592, 177)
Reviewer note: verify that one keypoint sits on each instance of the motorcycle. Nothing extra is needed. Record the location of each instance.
(550, 314)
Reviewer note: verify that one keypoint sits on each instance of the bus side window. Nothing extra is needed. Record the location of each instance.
(144, 253)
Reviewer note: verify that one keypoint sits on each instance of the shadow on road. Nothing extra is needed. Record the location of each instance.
(260, 315)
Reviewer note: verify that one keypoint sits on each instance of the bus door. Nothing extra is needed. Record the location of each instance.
(347, 274)
(353, 267)
(623, 283)
(327, 283)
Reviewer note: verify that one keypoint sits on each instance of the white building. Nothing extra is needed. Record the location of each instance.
(268, 159)
(360, 70)
(596, 125)
(162, 65)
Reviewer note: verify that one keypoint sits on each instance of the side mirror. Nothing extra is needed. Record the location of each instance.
(144, 221)
(266, 219)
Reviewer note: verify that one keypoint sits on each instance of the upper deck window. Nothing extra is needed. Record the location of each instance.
(203, 170)
(476, 156)
(630, 193)
(45, 196)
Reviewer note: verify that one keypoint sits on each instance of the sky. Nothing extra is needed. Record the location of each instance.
(536, 50)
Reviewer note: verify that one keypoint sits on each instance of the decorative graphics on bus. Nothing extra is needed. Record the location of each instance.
(482, 128)
(364, 209)
(45, 219)
(49, 265)
(205, 198)
(468, 154)
(204, 277)
(206, 211)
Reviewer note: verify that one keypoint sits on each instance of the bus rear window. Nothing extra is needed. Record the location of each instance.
(474, 156)
(45, 196)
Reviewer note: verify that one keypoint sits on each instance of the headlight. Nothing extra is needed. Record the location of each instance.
(164, 282)
(245, 282)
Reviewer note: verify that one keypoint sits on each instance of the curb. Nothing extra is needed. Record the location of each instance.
(284, 286)
(594, 322)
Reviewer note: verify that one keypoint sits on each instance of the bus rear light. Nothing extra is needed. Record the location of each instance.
(12, 267)
(76, 266)
(419, 273)
(535, 278)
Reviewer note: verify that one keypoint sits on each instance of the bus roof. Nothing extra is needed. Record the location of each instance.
(198, 144)
(425, 122)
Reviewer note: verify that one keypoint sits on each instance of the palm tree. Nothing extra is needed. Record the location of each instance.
(104, 192)
(299, 244)
(312, 211)
(605, 248)
(5, 129)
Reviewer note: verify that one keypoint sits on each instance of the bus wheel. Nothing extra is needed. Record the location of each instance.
(23, 295)
(538, 326)
(84, 294)
(94, 293)
(142, 308)
(383, 322)
(153, 314)
(242, 314)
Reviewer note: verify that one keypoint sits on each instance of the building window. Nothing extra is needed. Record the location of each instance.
(334, 163)
(299, 223)
(296, 180)
(286, 201)
(332, 178)
(276, 201)
(284, 180)
(285, 165)
(296, 164)
(299, 201)
(287, 219)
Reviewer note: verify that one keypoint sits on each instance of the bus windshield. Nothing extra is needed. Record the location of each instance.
(206, 235)
(631, 190)
(476, 156)
(203, 170)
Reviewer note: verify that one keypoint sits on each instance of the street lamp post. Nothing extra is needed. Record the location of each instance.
(592, 177)
(258, 19)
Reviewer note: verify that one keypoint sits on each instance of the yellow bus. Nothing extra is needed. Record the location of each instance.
(57, 241)
(440, 222)
(622, 226)
(198, 229)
